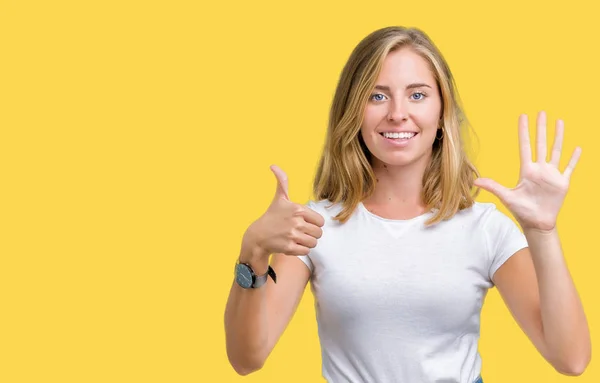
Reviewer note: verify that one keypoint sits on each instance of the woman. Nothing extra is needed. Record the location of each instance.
(399, 254)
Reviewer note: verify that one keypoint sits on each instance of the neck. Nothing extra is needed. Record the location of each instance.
(399, 188)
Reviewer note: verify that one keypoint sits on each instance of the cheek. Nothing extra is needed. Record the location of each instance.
(371, 119)
(367, 128)
(428, 124)
(429, 118)
(366, 136)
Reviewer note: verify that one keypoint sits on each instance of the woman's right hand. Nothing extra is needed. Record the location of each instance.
(286, 227)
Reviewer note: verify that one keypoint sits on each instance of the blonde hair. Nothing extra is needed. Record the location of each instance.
(344, 174)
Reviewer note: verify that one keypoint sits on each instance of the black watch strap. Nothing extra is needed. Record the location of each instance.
(262, 279)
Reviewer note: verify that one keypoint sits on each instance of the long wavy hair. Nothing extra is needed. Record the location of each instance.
(345, 175)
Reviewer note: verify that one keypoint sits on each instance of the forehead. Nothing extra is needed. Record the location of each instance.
(404, 66)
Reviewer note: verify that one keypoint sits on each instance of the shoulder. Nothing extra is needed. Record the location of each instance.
(492, 217)
(483, 218)
(498, 228)
(328, 210)
(482, 213)
(481, 208)
(325, 207)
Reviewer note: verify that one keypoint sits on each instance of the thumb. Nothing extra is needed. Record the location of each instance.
(282, 182)
(493, 187)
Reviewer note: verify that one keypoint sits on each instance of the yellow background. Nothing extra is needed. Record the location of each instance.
(135, 144)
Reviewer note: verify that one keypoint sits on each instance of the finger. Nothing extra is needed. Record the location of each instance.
(524, 144)
(306, 241)
(296, 249)
(493, 187)
(558, 140)
(312, 230)
(541, 137)
(572, 162)
(282, 182)
(313, 217)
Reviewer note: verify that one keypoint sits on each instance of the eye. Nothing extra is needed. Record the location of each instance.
(420, 94)
(378, 97)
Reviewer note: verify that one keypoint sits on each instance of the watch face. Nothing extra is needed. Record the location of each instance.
(243, 276)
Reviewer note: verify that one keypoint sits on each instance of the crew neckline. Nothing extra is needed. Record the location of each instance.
(421, 217)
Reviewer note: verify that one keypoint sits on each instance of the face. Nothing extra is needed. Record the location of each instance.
(403, 111)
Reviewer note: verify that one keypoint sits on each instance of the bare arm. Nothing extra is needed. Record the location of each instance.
(538, 289)
(256, 318)
(535, 283)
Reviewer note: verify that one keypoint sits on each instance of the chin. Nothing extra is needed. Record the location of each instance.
(396, 160)
(400, 159)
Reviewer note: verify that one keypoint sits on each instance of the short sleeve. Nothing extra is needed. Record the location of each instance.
(504, 238)
(307, 262)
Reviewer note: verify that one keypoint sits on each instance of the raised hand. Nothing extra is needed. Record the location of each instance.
(536, 200)
(286, 227)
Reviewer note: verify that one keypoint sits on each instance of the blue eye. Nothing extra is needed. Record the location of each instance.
(377, 97)
(418, 93)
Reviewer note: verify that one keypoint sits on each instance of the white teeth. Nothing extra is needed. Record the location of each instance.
(404, 135)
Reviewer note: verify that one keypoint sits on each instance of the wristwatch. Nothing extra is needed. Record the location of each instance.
(246, 278)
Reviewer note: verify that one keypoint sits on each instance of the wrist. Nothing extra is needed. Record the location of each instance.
(255, 256)
(537, 232)
(249, 275)
(258, 264)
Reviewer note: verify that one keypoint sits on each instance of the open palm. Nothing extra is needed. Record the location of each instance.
(541, 190)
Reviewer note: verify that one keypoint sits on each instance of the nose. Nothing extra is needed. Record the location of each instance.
(397, 111)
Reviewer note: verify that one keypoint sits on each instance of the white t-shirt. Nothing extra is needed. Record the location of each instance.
(399, 302)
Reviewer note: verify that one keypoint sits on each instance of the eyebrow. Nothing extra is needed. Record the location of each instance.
(409, 86)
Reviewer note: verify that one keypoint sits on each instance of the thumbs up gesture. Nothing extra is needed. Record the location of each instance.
(286, 227)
